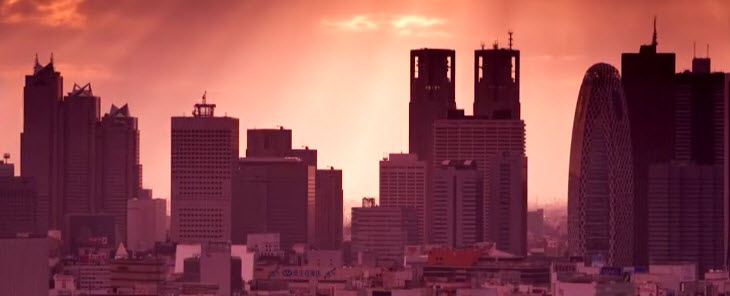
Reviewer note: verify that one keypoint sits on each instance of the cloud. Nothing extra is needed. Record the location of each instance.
(54, 13)
(407, 25)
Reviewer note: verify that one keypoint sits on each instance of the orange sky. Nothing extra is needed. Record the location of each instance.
(334, 72)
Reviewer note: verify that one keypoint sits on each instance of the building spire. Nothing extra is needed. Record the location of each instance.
(51, 58)
(653, 38)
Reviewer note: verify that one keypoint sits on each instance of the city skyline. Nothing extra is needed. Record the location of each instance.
(370, 99)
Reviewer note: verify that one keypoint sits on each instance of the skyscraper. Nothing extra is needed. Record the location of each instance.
(433, 76)
(648, 82)
(204, 156)
(458, 204)
(118, 164)
(600, 178)
(486, 142)
(497, 83)
(80, 122)
(328, 209)
(272, 194)
(403, 184)
(40, 141)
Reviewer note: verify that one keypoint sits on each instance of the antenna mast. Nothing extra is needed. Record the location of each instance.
(510, 38)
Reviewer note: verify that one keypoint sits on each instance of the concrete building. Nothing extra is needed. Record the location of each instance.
(380, 234)
(273, 194)
(215, 266)
(137, 276)
(328, 207)
(81, 109)
(119, 171)
(600, 180)
(457, 219)
(686, 215)
(204, 155)
(497, 83)
(41, 141)
(92, 276)
(498, 149)
(403, 184)
(24, 270)
(146, 223)
(18, 203)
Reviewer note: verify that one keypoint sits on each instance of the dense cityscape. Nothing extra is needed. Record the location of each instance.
(648, 199)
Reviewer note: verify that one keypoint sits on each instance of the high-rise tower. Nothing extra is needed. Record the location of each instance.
(600, 178)
(432, 73)
(40, 141)
(204, 156)
(497, 82)
(648, 81)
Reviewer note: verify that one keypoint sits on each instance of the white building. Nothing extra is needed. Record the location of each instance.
(204, 155)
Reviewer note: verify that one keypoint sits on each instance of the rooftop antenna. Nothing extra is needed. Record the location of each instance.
(205, 93)
(36, 58)
(51, 58)
(6, 156)
(653, 38)
(482, 44)
(708, 50)
(510, 38)
(694, 49)
(495, 45)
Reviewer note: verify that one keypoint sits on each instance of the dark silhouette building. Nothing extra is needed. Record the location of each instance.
(458, 204)
(268, 142)
(84, 230)
(600, 177)
(118, 170)
(17, 203)
(433, 76)
(41, 141)
(272, 194)
(497, 83)
(648, 82)
(328, 207)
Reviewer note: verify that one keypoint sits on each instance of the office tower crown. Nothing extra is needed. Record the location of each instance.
(81, 91)
(497, 82)
(204, 109)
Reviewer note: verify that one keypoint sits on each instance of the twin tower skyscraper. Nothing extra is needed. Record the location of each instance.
(492, 140)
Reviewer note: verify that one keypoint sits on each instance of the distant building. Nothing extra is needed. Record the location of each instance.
(432, 79)
(264, 244)
(403, 184)
(536, 222)
(215, 266)
(146, 223)
(18, 203)
(380, 234)
(497, 83)
(328, 207)
(80, 230)
(119, 171)
(498, 149)
(457, 219)
(648, 82)
(686, 215)
(24, 269)
(41, 141)
(137, 276)
(600, 182)
(80, 122)
(273, 194)
(204, 154)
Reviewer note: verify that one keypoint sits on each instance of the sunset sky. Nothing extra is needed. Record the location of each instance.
(335, 72)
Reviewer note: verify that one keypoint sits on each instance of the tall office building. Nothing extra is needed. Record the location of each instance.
(433, 76)
(403, 184)
(204, 156)
(118, 164)
(80, 117)
(272, 194)
(40, 141)
(686, 215)
(600, 178)
(382, 233)
(648, 82)
(497, 83)
(486, 142)
(268, 142)
(458, 204)
(328, 209)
